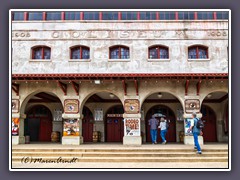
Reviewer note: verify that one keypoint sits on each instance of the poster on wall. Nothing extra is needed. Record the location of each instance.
(187, 126)
(98, 114)
(132, 127)
(15, 126)
(71, 127)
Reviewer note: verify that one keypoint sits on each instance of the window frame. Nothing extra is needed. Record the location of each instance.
(158, 53)
(80, 52)
(119, 56)
(197, 52)
(33, 50)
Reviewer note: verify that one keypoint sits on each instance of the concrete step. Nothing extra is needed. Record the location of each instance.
(117, 154)
(198, 158)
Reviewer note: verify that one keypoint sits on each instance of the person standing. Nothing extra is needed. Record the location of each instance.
(196, 132)
(153, 122)
(163, 128)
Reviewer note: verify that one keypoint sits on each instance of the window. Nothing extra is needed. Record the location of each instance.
(35, 16)
(53, 16)
(158, 52)
(204, 15)
(72, 15)
(41, 52)
(129, 15)
(80, 52)
(148, 16)
(119, 52)
(91, 15)
(185, 15)
(222, 15)
(198, 52)
(18, 16)
(167, 15)
(110, 15)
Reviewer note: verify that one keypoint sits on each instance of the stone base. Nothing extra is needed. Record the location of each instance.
(18, 140)
(189, 140)
(71, 140)
(132, 140)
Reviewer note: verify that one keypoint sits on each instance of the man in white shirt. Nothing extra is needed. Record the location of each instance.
(163, 128)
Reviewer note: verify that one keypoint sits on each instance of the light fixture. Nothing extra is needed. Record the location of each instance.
(159, 95)
(97, 81)
(209, 95)
(111, 95)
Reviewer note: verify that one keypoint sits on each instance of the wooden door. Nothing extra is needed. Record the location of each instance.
(171, 134)
(115, 129)
(87, 125)
(45, 129)
(209, 119)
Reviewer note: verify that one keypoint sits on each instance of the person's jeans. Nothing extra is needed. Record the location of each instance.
(153, 135)
(163, 135)
(196, 143)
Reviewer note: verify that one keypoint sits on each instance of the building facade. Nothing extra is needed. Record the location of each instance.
(99, 76)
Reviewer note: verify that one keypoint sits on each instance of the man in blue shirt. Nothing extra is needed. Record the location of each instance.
(196, 132)
(153, 122)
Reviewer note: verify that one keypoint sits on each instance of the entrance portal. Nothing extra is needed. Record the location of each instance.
(171, 134)
(38, 124)
(115, 124)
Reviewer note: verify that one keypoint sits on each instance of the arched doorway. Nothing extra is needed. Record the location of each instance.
(209, 119)
(38, 124)
(114, 124)
(87, 125)
(171, 134)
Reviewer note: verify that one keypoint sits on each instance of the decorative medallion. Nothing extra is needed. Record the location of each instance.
(192, 105)
(131, 106)
(15, 105)
(71, 106)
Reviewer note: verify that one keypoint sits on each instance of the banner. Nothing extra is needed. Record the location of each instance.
(15, 126)
(132, 127)
(71, 127)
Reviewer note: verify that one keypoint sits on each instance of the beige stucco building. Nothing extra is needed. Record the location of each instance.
(99, 76)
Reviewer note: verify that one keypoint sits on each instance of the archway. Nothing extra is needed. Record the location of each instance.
(87, 125)
(209, 119)
(38, 124)
(114, 124)
(171, 134)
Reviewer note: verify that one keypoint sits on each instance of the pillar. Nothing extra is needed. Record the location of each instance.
(72, 129)
(18, 120)
(132, 122)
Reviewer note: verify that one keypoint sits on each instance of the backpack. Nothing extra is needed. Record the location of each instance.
(200, 124)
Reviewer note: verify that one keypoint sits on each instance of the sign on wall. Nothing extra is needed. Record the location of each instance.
(132, 127)
(15, 126)
(98, 114)
(15, 105)
(131, 106)
(192, 105)
(180, 115)
(71, 127)
(71, 106)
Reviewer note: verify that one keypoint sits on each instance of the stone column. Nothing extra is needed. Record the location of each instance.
(68, 138)
(20, 138)
(188, 139)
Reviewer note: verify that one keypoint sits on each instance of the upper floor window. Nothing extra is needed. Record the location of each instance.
(18, 16)
(35, 16)
(158, 52)
(41, 52)
(205, 15)
(129, 15)
(119, 52)
(80, 52)
(167, 15)
(186, 15)
(91, 15)
(198, 52)
(53, 16)
(110, 15)
(72, 15)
